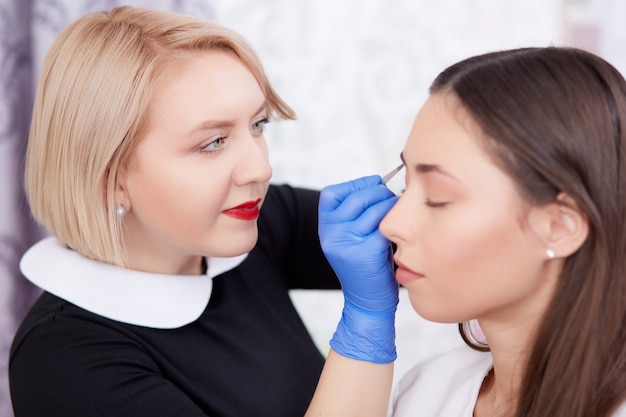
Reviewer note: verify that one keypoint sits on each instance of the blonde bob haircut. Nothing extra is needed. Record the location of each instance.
(91, 104)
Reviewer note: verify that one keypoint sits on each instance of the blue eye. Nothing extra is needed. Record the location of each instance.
(259, 126)
(215, 145)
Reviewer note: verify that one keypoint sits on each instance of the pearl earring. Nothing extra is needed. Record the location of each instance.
(120, 211)
(550, 253)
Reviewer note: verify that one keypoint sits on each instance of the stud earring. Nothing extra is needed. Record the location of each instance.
(120, 211)
(550, 253)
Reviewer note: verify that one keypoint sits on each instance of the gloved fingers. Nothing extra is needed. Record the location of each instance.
(333, 195)
(360, 237)
(356, 203)
(369, 220)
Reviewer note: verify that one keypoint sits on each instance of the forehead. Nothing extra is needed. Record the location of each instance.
(216, 70)
(444, 131)
(201, 85)
(445, 135)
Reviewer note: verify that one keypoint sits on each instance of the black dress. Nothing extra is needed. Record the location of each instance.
(248, 354)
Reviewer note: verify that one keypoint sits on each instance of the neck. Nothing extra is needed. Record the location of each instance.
(511, 332)
(147, 262)
(510, 348)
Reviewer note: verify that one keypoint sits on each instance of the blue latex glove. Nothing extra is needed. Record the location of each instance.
(349, 215)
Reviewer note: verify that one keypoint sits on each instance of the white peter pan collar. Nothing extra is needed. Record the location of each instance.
(125, 295)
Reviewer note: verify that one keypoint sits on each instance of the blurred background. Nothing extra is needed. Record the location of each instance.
(355, 71)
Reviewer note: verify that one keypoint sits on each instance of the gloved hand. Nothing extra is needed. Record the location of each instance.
(349, 215)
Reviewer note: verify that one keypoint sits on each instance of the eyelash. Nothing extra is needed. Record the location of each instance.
(261, 124)
(258, 126)
(219, 141)
(427, 201)
(434, 204)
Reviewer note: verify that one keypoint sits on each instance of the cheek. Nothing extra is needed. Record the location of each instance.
(180, 195)
(474, 246)
(472, 264)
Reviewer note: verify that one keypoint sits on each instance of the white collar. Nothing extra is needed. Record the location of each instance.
(125, 295)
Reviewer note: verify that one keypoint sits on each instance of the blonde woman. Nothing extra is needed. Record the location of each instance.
(166, 276)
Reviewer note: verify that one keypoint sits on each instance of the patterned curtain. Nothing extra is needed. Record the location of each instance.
(17, 232)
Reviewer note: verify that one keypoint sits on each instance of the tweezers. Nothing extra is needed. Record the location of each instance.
(389, 176)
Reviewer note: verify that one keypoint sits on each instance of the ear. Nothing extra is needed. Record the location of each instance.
(121, 196)
(562, 226)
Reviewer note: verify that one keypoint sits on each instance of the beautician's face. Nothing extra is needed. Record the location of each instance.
(199, 174)
(464, 247)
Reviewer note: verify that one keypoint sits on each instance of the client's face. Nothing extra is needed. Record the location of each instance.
(464, 248)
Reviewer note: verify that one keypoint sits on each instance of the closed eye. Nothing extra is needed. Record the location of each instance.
(434, 204)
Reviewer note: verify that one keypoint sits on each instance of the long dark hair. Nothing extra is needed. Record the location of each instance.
(556, 119)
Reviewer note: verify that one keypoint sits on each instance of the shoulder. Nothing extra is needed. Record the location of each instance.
(445, 384)
(56, 328)
(61, 353)
(457, 361)
(57, 343)
(64, 360)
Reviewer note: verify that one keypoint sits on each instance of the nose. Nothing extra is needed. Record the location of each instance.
(253, 166)
(396, 225)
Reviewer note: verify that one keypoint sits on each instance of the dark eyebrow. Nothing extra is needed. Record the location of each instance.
(213, 124)
(426, 168)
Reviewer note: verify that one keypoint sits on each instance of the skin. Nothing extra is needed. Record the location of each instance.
(202, 152)
(468, 247)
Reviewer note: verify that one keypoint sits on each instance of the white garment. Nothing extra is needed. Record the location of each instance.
(447, 385)
(141, 298)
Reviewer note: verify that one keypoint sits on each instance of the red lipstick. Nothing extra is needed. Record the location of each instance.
(405, 276)
(246, 211)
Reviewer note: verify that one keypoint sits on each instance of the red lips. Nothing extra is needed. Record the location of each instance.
(246, 211)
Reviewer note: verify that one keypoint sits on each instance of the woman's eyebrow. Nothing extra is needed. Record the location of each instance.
(214, 124)
(428, 168)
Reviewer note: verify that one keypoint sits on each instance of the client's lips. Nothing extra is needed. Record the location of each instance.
(405, 275)
(245, 211)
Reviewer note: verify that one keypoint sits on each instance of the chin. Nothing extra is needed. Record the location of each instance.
(235, 246)
(434, 315)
